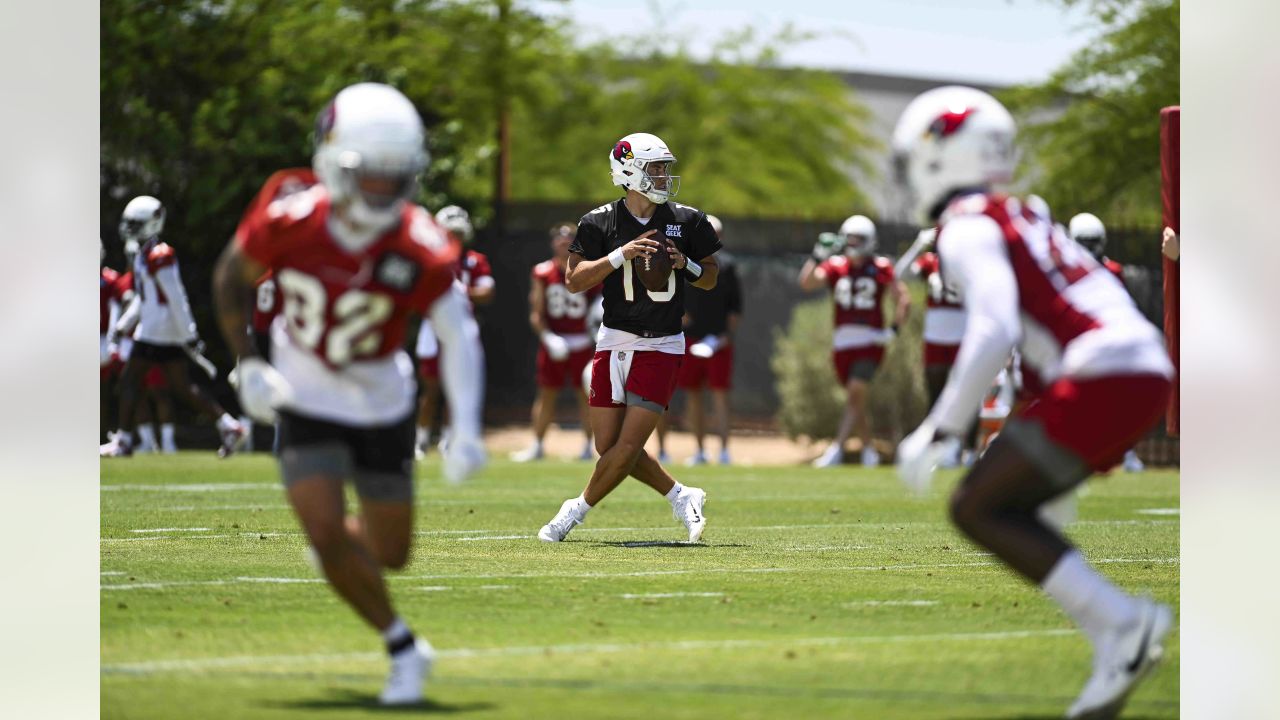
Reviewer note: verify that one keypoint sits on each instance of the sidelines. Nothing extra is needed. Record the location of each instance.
(197, 665)
(639, 573)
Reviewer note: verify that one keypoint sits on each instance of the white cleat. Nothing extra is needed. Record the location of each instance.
(698, 458)
(420, 452)
(688, 510)
(529, 454)
(1133, 463)
(233, 435)
(1122, 657)
(409, 671)
(560, 525)
(870, 458)
(117, 445)
(833, 457)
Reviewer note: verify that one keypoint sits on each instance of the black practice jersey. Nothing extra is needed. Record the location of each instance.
(628, 305)
(709, 310)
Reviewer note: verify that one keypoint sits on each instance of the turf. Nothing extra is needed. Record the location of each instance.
(816, 593)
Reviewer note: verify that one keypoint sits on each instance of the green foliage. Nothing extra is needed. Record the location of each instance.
(811, 401)
(752, 138)
(1093, 128)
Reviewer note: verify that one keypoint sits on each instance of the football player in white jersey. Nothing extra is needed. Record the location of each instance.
(1098, 370)
(166, 331)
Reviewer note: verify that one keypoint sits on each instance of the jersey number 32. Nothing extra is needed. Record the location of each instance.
(348, 326)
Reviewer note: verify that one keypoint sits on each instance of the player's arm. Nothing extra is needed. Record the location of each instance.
(901, 301)
(537, 300)
(983, 274)
(707, 269)
(233, 296)
(462, 367)
(170, 282)
(129, 319)
(812, 276)
(583, 274)
(923, 240)
(482, 292)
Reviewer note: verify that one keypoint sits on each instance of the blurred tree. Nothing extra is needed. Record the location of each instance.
(1093, 127)
(752, 138)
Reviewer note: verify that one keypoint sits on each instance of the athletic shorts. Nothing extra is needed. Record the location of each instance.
(714, 372)
(152, 352)
(650, 383)
(429, 367)
(559, 373)
(935, 354)
(155, 379)
(1077, 427)
(859, 362)
(378, 459)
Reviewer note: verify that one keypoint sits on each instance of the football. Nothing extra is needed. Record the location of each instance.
(655, 269)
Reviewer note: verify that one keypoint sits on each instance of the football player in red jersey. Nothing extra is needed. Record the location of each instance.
(640, 344)
(166, 331)
(475, 278)
(1099, 369)
(559, 319)
(353, 259)
(858, 279)
(1089, 232)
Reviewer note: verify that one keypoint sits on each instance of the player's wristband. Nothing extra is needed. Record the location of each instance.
(616, 259)
(692, 269)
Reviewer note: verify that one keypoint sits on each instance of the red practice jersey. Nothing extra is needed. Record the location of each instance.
(1116, 268)
(266, 302)
(473, 270)
(940, 296)
(564, 313)
(344, 306)
(112, 287)
(858, 287)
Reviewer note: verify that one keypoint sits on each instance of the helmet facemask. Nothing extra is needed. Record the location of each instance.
(1095, 244)
(373, 194)
(858, 246)
(656, 182)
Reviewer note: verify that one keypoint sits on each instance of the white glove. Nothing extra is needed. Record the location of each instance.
(706, 347)
(918, 456)
(261, 388)
(463, 458)
(106, 351)
(556, 346)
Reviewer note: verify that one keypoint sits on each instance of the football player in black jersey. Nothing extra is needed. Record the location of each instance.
(640, 344)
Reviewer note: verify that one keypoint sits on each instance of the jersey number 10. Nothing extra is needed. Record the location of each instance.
(629, 290)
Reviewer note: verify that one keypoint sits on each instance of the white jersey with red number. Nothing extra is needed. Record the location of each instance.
(858, 287)
(565, 313)
(164, 314)
(338, 338)
(1026, 284)
(472, 273)
(944, 312)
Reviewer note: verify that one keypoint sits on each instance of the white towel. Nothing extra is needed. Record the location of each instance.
(619, 368)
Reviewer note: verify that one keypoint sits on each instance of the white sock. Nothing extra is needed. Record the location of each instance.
(166, 434)
(147, 433)
(1087, 597)
(582, 506)
(537, 444)
(396, 631)
(423, 435)
(674, 492)
(226, 421)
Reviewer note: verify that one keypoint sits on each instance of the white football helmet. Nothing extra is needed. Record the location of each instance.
(716, 225)
(1088, 231)
(142, 219)
(370, 132)
(952, 138)
(629, 163)
(457, 221)
(859, 236)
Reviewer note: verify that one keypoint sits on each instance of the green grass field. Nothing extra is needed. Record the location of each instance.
(814, 594)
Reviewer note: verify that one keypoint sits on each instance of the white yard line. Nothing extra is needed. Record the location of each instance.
(472, 538)
(1160, 511)
(190, 487)
(891, 603)
(196, 665)
(641, 573)
(646, 596)
(165, 530)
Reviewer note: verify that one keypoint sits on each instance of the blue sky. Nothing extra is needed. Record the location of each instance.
(1001, 41)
